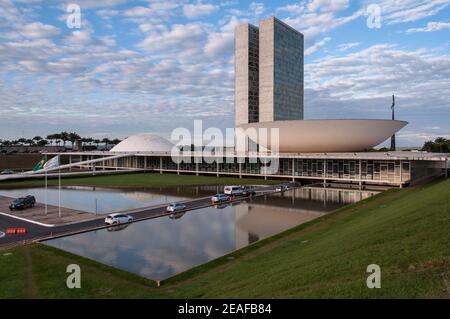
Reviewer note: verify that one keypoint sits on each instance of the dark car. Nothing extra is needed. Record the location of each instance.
(23, 202)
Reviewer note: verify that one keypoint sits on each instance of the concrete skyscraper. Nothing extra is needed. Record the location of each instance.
(246, 74)
(268, 72)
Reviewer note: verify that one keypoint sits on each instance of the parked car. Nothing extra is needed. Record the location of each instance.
(220, 198)
(22, 202)
(248, 192)
(175, 207)
(233, 190)
(118, 218)
(7, 172)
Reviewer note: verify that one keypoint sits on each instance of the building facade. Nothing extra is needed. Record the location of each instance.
(268, 72)
(280, 71)
(372, 168)
(246, 74)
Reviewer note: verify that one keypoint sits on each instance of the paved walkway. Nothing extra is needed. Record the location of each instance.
(37, 213)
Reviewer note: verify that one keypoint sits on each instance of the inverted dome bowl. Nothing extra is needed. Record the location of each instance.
(319, 136)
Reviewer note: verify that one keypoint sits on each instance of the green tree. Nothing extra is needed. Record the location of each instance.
(64, 136)
(440, 145)
(73, 137)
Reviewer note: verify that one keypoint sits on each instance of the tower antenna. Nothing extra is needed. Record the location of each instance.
(393, 118)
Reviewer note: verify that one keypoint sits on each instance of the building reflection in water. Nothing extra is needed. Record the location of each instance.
(272, 214)
(162, 247)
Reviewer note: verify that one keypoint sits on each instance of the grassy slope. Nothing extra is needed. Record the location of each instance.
(406, 232)
(139, 180)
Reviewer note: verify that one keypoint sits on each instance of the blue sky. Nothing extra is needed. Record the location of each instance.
(152, 66)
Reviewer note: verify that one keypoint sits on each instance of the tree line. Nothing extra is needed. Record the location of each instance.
(58, 139)
(439, 145)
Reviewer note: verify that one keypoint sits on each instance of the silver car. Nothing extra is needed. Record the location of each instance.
(118, 218)
(219, 198)
(175, 207)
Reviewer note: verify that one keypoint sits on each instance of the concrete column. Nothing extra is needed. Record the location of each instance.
(324, 173)
(145, 163)
(217, 168)
(401, 172)
(196, 169)
(178, 168)
(293, 169)
(360, 182)
(70, 162)
(446, 167)
(240, 170)
(160, 164)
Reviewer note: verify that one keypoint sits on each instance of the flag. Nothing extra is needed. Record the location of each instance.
(54, 162)
(40, 164)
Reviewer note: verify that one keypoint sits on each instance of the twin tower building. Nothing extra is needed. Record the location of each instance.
(268, 72)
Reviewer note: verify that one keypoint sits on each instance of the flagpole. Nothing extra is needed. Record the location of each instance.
(59, 192)
(45, 192)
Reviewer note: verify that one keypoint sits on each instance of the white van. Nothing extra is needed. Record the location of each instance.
(233, 190)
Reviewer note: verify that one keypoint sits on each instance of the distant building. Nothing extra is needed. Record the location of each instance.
(269, 72)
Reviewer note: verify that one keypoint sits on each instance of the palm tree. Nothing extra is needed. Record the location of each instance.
(64, 136)
(115, 141)
(106, 141)
(50, 137)
(37, 139)
(42, 142)
(73, 137)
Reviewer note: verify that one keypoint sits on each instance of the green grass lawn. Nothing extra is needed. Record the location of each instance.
(139, 180)
(404, 231)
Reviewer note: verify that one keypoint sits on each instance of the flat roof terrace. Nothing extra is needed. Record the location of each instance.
(394, 155)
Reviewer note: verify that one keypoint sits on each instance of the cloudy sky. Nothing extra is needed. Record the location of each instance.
(151, 66)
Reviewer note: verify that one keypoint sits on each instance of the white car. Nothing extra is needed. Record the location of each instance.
(175, 207)
(115, 219)
(233, 190)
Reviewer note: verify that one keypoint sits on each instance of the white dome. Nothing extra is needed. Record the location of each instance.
(143, 143)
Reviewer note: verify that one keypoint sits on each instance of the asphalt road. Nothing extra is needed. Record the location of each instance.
(37, 232)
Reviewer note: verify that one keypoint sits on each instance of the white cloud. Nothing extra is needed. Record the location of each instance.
(327, 5)
(38, 30)
(257, 8)
(180, 37)
(222, 42)
(402, 11)
(431, 27)
(136, 12)
(312, 24)
(193, 11)
(293, 8)
(347, 46)
(316, 46)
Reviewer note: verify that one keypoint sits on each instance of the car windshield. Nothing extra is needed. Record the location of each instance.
(18, 200)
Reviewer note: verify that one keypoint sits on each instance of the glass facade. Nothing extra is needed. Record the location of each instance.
(383, 171)
(288, 73)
